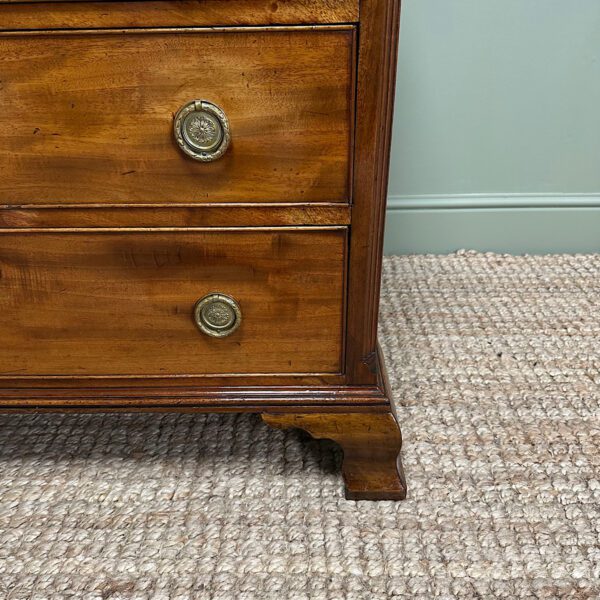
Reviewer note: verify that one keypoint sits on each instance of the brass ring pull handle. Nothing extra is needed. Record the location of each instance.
(201, 130)
(217, 315)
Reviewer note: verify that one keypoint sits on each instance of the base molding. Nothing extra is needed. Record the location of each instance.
(505, 223)
(361, 419)
(194, 399)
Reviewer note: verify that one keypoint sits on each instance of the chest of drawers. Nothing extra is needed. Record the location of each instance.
(191, 214)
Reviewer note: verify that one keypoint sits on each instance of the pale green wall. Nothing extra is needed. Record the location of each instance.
(497, 102)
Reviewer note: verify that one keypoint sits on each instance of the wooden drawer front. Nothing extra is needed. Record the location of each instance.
(121, 303)
(15, 14)
(87, 117)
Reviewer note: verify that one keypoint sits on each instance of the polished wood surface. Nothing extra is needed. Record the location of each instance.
(370, 439)
(119, 304)
(309, 394)
(208, 215)
(371, 443)
(376, 74)
(87, 117)
(15, 14)
(109, 234)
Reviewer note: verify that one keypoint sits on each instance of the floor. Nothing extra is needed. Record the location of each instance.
(495, 365)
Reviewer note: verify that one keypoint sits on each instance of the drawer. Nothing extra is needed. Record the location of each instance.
(87, 116)
(125, 303)
(66, 14)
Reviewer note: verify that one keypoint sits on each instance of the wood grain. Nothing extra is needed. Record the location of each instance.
(370, 439)
(211, 215)
(86, 120)
(371, 443)
(310, 394)
(374, 105)
(120, 303)
(187, 13)
(108, 235)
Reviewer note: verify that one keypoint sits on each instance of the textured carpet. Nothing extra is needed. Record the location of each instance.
(495, 363)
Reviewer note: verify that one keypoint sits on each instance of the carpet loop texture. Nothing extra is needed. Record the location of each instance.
(495, 365)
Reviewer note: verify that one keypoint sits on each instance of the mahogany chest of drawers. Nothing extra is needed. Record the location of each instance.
(192, 198)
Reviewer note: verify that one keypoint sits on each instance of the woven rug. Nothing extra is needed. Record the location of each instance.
(495, 365)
